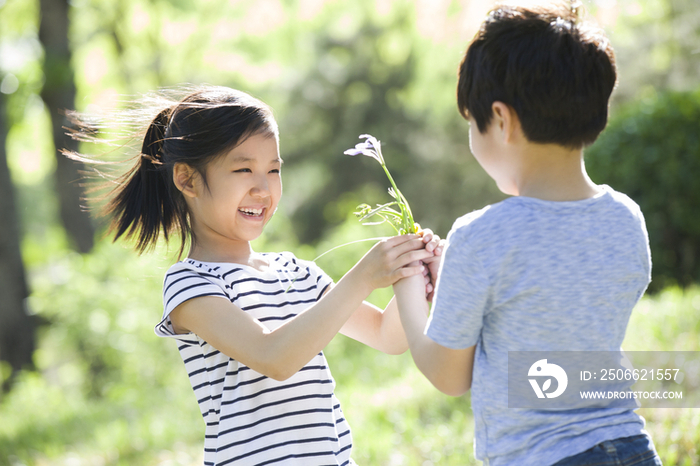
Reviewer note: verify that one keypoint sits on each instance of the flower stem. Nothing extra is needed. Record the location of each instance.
(337, 247)
(348, 244)
(403, 204)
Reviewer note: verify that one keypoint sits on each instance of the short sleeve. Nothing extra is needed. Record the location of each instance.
(322, 279)
(182, 284)
(461, 296)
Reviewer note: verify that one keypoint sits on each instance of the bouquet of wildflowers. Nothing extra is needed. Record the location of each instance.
(396, 213)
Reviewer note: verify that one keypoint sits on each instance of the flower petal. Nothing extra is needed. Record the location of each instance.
(371, 141)
(370, 147)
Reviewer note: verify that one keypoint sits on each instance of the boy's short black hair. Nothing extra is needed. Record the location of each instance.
(554, 70)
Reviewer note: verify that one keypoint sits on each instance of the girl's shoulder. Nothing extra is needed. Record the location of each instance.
(194, 266)
(287, 262)
(287, 259)
(277, 261)
(191, 268)
(290, 259)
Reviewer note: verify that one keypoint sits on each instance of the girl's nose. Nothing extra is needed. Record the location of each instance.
(261, 187)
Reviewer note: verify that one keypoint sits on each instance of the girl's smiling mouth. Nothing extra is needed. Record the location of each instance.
(251, 212)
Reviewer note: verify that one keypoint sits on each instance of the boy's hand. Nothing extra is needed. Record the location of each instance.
(436, 246)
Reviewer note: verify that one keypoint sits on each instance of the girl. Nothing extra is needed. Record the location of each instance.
(251, 326)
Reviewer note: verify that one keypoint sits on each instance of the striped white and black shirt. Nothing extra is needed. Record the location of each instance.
(252, 419)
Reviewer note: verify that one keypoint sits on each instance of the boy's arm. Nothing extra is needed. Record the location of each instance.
(449, 370)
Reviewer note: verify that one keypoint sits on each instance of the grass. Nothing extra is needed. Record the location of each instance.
(668, 321)
(108, 392)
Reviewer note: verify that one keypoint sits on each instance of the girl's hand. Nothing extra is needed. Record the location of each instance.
(433, 244)
(388, 261)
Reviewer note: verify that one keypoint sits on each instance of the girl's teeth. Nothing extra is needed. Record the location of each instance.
(252, 211)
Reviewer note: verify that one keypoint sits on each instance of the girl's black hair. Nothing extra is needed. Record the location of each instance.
(207, 123)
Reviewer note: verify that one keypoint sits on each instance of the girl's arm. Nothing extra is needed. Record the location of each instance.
(280, 353)
(380, 329)
(449, 370)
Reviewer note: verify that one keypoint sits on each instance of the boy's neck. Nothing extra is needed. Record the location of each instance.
(552, 173)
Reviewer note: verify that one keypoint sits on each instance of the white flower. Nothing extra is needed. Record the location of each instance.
(371, 148)
(402, 219)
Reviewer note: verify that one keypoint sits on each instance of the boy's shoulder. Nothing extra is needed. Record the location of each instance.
(486, 219)
(515, 214)
(490, 213)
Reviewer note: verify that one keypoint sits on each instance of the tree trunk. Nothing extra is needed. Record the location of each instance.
(16, 327)
(58, 95)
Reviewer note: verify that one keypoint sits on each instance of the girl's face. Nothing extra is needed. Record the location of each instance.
(242, 192)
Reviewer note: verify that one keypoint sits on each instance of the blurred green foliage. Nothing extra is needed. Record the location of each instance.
(656, 43)
(651, 152)
(108, 392)
(104, 386)
(667, 321)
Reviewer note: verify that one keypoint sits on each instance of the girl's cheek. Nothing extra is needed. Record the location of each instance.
(279, 189)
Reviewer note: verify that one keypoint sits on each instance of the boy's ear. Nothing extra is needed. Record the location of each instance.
(184, 179)
(506, 120)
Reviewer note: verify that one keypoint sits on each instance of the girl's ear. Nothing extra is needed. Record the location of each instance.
(184, 178)
(506, 120)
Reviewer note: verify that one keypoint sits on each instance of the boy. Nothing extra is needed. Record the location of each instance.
(557, 267)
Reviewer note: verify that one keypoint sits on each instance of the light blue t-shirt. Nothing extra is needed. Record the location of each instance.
(532, 275)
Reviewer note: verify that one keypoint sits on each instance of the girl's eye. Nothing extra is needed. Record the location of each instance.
(242, 170)
(275, 170)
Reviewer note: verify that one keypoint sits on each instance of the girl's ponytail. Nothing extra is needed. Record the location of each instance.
(142, 204)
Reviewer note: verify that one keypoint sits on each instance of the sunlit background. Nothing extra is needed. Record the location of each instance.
(85, 380)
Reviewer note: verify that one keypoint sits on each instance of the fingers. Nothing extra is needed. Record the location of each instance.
(399, 240)
(436, 245)
(407, 255)
(408, 271)
(429, 288)
(432, 242)
(411, 256)
(440, 247)
(399, 248)
(411, 270)
(400, 251)
(432, 259)
(427, 240)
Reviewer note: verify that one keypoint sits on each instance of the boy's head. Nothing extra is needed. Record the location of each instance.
(556, 72)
